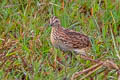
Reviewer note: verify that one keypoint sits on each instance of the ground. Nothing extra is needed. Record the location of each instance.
(26, 52)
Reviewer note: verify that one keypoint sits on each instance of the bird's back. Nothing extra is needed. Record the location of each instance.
(69, 40)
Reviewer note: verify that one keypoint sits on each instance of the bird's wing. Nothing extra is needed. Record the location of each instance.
(74, 39)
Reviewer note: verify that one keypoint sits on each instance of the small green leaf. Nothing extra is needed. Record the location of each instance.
(10, 54)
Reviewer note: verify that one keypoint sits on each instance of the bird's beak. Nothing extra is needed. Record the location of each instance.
(51, 24)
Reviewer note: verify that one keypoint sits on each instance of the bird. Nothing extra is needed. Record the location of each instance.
(68, 40)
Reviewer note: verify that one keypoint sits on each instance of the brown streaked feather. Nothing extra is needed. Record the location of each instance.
(68, 40)
(73, 39)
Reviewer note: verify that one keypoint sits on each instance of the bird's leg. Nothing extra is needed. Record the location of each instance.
(55, 63)
(85, 55)
(65, 65)
(55, 59)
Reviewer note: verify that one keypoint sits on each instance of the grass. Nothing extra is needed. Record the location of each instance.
(26, 52)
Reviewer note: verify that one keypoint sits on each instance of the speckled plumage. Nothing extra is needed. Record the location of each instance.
(68, 40)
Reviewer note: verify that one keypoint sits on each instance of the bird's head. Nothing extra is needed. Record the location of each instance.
(54, 21)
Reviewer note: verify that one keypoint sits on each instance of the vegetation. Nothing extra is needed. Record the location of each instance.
(26, 52)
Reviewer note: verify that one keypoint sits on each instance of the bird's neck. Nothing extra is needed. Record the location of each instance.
(57, 29)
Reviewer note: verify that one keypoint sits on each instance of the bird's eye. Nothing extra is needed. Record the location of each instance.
(56, 21)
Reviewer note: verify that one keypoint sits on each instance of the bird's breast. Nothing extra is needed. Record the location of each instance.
(57, 43)
(53, 38)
